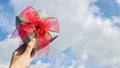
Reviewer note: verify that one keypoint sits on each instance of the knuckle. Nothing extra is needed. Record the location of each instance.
(14, 53)
(29, 46)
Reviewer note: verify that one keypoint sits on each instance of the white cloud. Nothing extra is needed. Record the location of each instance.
(6, 49)
(4, 24)
(67, 59)
(4, 66)
(118, 1)
(116, 20)
(39, 64)
(91, 37)
(6, 20)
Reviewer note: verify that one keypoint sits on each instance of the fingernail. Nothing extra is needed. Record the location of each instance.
(34, 41)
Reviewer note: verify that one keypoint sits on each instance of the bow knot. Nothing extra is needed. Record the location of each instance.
(37, 27)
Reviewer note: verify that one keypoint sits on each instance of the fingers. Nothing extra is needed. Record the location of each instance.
(20, 50)
(30, 46)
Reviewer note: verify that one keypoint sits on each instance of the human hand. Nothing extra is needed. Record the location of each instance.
(22, 55)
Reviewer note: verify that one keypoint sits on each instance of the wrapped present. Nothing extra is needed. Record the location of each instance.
(35, 24)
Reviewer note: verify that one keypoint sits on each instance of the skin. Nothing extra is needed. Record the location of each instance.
(22, 55)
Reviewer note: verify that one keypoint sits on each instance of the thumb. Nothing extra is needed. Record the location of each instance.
(30, 46)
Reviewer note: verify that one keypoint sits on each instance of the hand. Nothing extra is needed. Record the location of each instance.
(22, 55)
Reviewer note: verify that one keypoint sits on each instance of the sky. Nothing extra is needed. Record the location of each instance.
(89, 33)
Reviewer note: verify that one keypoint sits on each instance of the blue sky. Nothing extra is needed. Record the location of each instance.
(89, 41)
(109, 8)
(6, 12)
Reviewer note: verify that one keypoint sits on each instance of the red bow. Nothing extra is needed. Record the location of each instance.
(31, 23)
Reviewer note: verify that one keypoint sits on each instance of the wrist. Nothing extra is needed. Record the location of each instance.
(17, 66)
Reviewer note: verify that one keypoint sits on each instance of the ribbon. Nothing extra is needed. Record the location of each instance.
(31, 24)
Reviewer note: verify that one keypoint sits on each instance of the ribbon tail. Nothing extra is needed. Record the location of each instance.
(47, 51)
(15, 31)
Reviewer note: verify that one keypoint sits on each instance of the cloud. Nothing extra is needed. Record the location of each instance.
(67, 59)
(90, 36)
(6, 20)
(39, 64)
(4, 66)
(6, 49)
(4, 24)
(116, 21)
(118, 2)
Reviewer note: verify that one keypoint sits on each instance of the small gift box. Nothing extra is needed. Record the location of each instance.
(35, 24)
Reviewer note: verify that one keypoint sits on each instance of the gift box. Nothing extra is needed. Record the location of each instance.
(36, 24)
